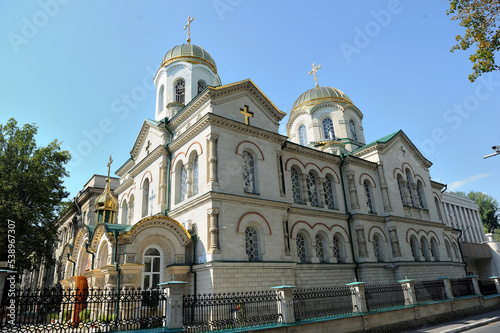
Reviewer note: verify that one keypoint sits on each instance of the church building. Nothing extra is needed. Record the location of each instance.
(214, 195)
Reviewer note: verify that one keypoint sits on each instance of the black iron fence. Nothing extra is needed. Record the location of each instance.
(487, 287)
(315, 303)
(82, 310)
(462, 287)
(381, 296)
(232, 310)
(430, 291)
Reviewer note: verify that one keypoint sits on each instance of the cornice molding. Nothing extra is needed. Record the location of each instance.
(145, 162)
(317, 212)
(311, 152)
(360, 162)
(123, 186)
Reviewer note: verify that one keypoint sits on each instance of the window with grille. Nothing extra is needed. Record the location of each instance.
(180, 91)
(420, 195)
(182, 183)
(312, 190)
(328, 130)
(336, 249)
(152, 268)
(377, 247)
(195, 175)
(329, 188)
(368, 197)
(352, 126)
(252, 244)
(303, 135)
(320, 251)
(301, 248)
(249, 172)
(296, 189)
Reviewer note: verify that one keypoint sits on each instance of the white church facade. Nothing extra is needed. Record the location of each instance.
(216, 196)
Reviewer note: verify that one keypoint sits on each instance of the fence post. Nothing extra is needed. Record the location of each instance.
(475, 284)
(358, 296)
(496, 279)
(409, 291)
(172, 310)
(286, 303)
(447, 287)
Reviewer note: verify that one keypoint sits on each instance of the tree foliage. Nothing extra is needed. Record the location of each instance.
(488, 209)
(31, 194)
(480, 18)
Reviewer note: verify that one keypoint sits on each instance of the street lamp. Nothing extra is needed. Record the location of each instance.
(497, 152)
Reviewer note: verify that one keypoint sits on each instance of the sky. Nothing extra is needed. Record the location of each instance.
(82, 71)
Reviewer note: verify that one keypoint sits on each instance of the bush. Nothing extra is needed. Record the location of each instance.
(84, 315)
(106, 318)
(66, 315)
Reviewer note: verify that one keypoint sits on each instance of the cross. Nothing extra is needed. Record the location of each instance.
(402, 149)
(247, 114)
(313, 71)
(147, 147)
(109, 164)
(190, 19)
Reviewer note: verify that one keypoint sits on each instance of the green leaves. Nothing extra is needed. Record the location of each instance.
(488, 209)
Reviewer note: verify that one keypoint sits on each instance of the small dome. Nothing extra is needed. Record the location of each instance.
(106, 201)
(320, 95)
(189, 53)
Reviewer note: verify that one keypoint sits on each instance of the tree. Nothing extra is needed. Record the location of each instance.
(31, 194)
(480, 18)
(488, 209)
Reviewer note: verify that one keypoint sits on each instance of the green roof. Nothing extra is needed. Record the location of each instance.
(384, 139)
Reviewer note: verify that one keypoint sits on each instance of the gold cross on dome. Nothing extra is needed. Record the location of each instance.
(247, 114)
(109, 164)
(188, 25)
(313, 71)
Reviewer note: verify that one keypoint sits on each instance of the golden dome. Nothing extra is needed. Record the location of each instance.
(106, 201)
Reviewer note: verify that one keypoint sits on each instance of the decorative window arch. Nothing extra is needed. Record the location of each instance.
(352, 127)
(161, 98)
(328, 130)
(303, 135)
(321, 252)
(420, 195)
(448, 249)
(296, 188)
(182, 182)
(152, 273)
(378, 249)
(180, 91)
(414, 248)
(302, 247)
(196, 172)
(103, 256)
(145, 197)
(330, 194)
(369, 196)
(124, 211)
(339, 248)
(409, 181)
(201, 86)
(252, 244)
(312, 190)
(425, 249)
(434, 249)
(249, 172)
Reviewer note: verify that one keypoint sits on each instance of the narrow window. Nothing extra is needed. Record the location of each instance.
(320, 251)
(124, 212)
(252, 244)
(368, 197)
(436, 202)
(408, 186)
(301, 248)
(401, 191)
(195, 175)
(420, 195)
(296, 189)
(448, 249)
(180, 91)
(160, 99)
(328, 131)
(455, 251)
(131, 209)
(182, 183)
(336, 249)
(312, 190)
(249, 172)
(303, 135)
(353, 130)
(145, 197)
(377, 247)
(434, 250)
(425, 249)
(201, 86)
(414, 248)
(329, 188)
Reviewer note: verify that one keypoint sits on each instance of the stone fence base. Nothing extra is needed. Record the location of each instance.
(394, 320)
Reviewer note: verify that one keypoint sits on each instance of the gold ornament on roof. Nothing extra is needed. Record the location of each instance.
(106, 201)
(188, 25)
(313, 71)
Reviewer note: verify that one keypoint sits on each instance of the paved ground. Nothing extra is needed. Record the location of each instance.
(461, 324)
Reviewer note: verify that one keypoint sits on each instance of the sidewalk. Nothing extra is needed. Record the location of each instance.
(461, 324)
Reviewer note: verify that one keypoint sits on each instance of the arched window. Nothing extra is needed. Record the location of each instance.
(414, 248)
(312, 190)
(438, 208)
(401, 189)
(368, 197)
(296, 188)
(455, 251)
(124, 212)
(320, 248)
(434, 250)
(145, 197)
(425, 249)
(195, 175)
(328, 130)
(408, 187)
(303, 135)
(103, 256)
(201, 86)
(180, 91)
(252, 244)
(377, 248)
(151, 275)
(448, 249)
(161, 98)
(249, 179)
(352, 126)
(131, 209)
(338, 248)
(329, 188)
(301, 248)
(182, 183)
(420, 195)
(84, 218)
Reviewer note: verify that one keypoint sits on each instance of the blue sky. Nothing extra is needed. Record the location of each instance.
(83, 72)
